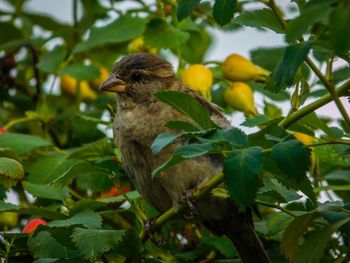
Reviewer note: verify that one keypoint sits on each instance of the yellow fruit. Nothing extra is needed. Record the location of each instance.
(239, 96)
(237, 67)
(104, 74)
(199, 78)
(138, 45)
(9, 219)
(69, 85)
(304, 138)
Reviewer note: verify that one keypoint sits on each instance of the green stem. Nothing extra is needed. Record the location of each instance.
(335, 141)
(197, 194)
(260, 202)
(295, 116)
(330, 87)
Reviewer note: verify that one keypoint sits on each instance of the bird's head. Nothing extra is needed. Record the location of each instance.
(137, 76)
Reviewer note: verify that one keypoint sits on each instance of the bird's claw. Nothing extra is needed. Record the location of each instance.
(189, 201)
(148, 228)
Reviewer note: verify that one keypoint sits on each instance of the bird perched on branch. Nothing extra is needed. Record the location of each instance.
(140, 119)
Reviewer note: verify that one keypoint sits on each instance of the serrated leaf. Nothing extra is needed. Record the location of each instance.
(22, 143)
(267, 58)
(43, 245)
(294, 231)
(241, 171)
(223, 11)
(255, 121)
(162, 141)
(80, 71)
(187, 105)
(185, 7)
(88, 219)
(309, 16)
(52, 60)
(292, 59)
(185, 152)
(329, 154)
(45, 191)
(261, 18)
(93, 243)
(123, 29)
(286, 195)
(315, 243)
(292, 158)
(235, 136)
(171, 36)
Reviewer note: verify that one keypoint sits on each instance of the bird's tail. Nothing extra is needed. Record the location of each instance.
(239, 228)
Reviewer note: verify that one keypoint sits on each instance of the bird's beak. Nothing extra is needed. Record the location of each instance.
(113, 84)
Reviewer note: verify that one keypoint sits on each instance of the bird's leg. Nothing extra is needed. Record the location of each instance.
(189, 201)
(148, 228)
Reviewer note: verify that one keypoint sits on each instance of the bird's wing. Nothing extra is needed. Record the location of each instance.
(216, 115)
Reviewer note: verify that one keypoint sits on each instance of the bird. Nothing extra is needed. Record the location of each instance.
(140, 118)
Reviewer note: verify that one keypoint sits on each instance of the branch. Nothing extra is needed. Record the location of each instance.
(35, 70)
(197, 194)
(297, 115)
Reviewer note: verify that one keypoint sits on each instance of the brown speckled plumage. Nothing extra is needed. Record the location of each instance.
(140, 118)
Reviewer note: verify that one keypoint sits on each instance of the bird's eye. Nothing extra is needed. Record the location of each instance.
(137, 77)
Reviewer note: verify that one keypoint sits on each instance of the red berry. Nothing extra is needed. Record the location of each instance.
(2, 130)
(32, 225)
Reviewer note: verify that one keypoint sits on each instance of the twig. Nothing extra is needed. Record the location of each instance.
(295, 116)
(197, 194)
(32, 49)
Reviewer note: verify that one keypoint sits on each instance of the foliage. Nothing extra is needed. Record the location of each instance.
(56, 159)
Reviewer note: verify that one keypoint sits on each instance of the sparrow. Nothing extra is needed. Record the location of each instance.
(140, 118)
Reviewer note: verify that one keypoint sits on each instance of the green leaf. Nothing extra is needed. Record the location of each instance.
(316, 242)
(194, 150)
(285, 195)
(162, 140)
(194, 50)
(78, 169)
(292, 158)
(88, 219)
(339, 27)
(6, 152)
(267, 58)
(255, 121)
(185, 7)
(290, 240)
(223, 11)
(181, 125)
(93, 243)
(52, 60)
(5, 207)
(45, 191)
(235, 136)
(310, 15)
(22, 143)
(292, 59)
(81, 71)
(241, 171)
(121, 30)
(11, 171)
(187, 105)
(45, 168)
(222, 244)
(171, 36)
(43, 245)
(329, 154)
(261, 18)
(93, 151)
